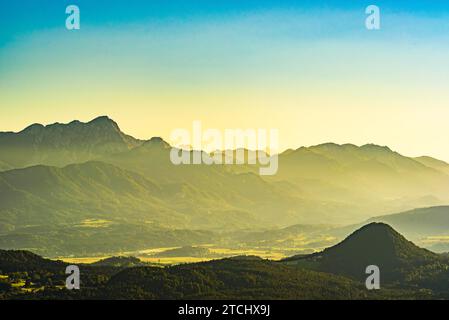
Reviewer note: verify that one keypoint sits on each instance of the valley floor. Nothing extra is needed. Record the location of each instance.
(151, 255)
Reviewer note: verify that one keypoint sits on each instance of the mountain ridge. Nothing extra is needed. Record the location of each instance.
(61, 144)
(95, 171)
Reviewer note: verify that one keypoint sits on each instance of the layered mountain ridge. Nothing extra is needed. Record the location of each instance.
(61, 144)
(61, 175)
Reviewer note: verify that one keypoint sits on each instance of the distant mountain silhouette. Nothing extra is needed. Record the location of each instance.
(371, 178)
(434, 163)
(419, 222)
(186, 251)
(61, 144)
(120, 262)
(428, 227)
(422, 224)
(25, 261)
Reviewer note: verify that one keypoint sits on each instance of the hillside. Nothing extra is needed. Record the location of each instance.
(97, 190)
(233, 278)
(373, 244)
(90, 208)
(186, 251)
(236, 278)
(19, 261)
(428, 226)
(120, 262)
(407, 272)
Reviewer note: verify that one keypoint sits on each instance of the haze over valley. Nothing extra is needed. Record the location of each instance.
(89, 189)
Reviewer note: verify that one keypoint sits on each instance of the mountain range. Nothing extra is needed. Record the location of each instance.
(85, 182)
(61, 144)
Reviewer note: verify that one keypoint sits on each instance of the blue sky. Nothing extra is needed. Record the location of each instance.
(312, 70)
(24, 16)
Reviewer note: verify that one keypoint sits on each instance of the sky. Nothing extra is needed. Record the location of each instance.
(308, 68)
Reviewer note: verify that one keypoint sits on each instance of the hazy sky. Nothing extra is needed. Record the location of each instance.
(312, 70)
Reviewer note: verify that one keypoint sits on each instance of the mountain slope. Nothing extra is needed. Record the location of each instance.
(93, 190)
(25, 274)
(61, 144)
(233, 278)
(19, 261)
(4, 166)
(43, 195)
(429, 227)
(362, 181)
(242, 191)
(372, 167)
(434, 163)
(134, 181)
(97, 207)
(120, 262)
(422, 221)
(374, 244)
